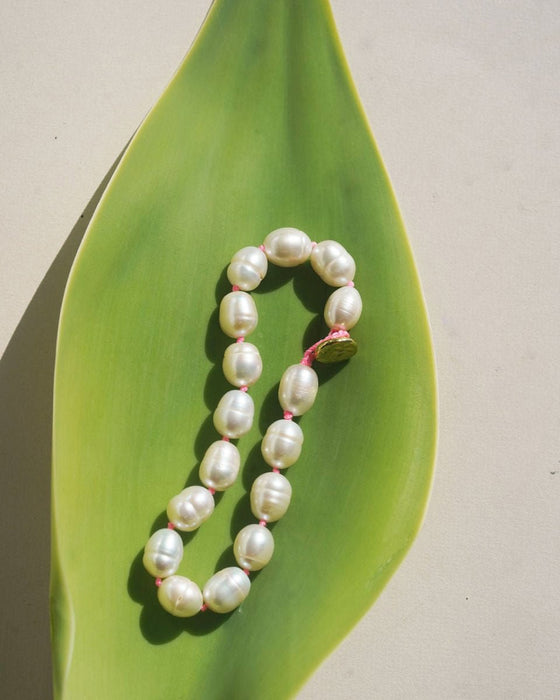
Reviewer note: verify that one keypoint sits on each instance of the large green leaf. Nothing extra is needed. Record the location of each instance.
(260, 128)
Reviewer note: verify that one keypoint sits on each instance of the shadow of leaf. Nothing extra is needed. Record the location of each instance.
(26, 387)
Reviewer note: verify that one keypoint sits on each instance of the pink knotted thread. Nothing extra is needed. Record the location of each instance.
(170, 526)
(204, 608)
(309, 355)
(241, 339)
(211, 490)
(288, 415)
(158, 582)
(243, 388)
(225, 438)
(235, 288)
(262, 523)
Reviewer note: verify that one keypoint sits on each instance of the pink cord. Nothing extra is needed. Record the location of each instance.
(158, 582)
(212, 491)
(243, 388)
(225, 438)
(288, 415)
(241, 339)
(262, 523)
(276, 470)
(261, 247)
(204, 608)
(170, 526)
(235, 288)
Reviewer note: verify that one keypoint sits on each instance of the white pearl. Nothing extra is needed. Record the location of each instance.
(247, 268)
(343, 308)
(242, 364)
(298, 389)
(333, 263)
(281, 446)
(238, 314)
(233, 416)
(253, 547)
(180, 596)
(220, 465)
(190, 508)
(226, 589)
(287, 247)
(270, 496)
(163, 553)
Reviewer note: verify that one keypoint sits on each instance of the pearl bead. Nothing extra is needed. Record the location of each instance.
(253, 547)
(180, 596)
(270, 496)
(287, 247)
(220, 465)
(298, 389)
(247, 268)
(333, 263)
(281, 446)
(189, 509)
(226, 590)
(233, 416)
(238, 314)
(242, 364)
(163, 553)
(343, 308)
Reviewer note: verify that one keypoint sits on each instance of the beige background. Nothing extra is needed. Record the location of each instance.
(463, 100)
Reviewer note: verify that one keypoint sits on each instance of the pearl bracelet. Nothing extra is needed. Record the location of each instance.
(281, 446)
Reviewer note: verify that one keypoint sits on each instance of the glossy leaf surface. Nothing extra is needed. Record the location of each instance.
(260, 128)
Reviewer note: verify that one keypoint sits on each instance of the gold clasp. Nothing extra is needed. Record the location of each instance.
(336, 350)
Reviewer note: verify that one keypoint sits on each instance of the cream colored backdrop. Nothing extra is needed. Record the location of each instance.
(463, 100)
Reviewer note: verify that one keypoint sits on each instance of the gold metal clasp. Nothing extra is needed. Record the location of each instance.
(336, 350)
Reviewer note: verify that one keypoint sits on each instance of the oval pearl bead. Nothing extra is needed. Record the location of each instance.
(271, 494)
(247, 268)
(343, 308)
(190, 508)
(242, 364)
(233, 416)
(253, 547)
(238, 314)
(220, 465)
(163, 553)
(333, 263)
(226, 589)
(180, 596)
(287, 247)
(298, 389)
(281, 446)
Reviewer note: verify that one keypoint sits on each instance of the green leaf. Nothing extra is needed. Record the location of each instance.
(260, 128)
